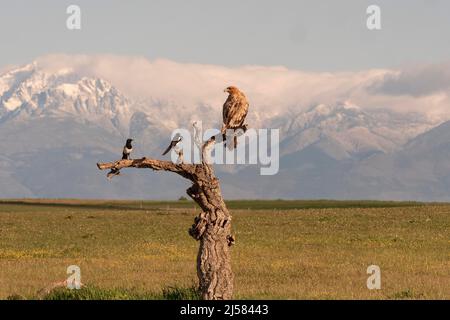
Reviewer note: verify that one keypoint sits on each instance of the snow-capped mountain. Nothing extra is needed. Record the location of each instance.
(55, 125)
(352, 131)
(29, 92)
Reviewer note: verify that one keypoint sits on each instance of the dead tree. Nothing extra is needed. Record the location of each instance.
(212, 227)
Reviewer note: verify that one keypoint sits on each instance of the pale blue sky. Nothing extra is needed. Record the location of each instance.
(313, 35)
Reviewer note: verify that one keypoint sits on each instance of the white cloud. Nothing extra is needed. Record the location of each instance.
(271, 90)
(416, 81)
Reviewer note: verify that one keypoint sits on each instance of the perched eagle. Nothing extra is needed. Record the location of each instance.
(235, 110)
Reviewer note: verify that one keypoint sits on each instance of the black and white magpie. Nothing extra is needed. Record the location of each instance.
(125, 156)
(127, 150)
(176, 139)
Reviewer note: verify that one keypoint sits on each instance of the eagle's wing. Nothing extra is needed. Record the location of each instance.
(227, 106)
(237, 111)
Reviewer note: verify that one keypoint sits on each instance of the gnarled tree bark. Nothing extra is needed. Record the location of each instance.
(212, 227)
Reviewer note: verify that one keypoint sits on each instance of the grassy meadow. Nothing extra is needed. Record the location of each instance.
(284, 249)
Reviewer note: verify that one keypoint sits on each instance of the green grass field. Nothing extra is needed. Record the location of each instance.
(284, 249)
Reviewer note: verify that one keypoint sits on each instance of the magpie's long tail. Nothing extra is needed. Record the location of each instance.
(167, 150)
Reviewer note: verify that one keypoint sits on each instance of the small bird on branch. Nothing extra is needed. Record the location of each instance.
(176, 139)
(174, 145)
(125, 156)
(127, 150)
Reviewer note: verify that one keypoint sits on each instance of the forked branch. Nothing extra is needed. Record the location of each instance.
(212, 227)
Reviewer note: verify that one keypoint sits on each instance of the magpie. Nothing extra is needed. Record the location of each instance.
(176, 139)
(127, 150)
(125, 156)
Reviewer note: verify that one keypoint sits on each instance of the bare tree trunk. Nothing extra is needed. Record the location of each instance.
(212, 227)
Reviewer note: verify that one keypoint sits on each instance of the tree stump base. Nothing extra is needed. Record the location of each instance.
(212, 227)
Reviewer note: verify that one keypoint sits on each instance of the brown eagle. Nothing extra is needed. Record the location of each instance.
(235, 110)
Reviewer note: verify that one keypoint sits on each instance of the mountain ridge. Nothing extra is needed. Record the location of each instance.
(61, 123)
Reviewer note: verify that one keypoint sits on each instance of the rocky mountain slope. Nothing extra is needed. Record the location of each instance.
(54, 127)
